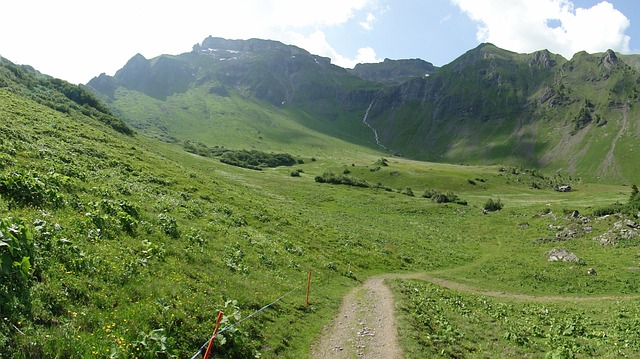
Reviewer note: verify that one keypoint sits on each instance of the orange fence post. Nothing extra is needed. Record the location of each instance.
(308, 288)
(215, 331)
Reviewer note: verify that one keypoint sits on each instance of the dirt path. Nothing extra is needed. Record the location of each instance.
(365, 326)
(506, 295)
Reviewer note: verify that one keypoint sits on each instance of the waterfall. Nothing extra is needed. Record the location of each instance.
(375, 133)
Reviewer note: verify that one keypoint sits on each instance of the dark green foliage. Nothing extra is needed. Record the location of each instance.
(608, 210)
(169, 225)
(634, 199)
(16, 254)
(198, 148)
(439, 197)
(31, 189)
(585, 116)
(491, 206)
(382, 162)
(257, 160)
(124, 214)
(631, 207)
(329, 177)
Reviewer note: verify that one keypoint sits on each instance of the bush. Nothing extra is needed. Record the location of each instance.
(16, 254)
(439, 197)
(633, 205)
(329, 177)
(492, 206)
(382, 162)
(31, 189)
(408, 191)
(256, 160)
(169, 225)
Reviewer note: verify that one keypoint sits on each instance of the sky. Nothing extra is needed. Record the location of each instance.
(76, 40)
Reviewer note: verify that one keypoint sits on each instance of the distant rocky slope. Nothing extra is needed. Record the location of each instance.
(394, 71)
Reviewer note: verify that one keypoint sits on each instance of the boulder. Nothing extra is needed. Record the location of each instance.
(561, 255)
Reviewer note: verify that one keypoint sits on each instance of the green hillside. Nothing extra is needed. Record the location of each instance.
(492, 106)
(488, 107)
(229, 92)
(115, 244)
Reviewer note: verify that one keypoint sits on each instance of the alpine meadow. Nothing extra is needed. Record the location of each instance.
(495, 196)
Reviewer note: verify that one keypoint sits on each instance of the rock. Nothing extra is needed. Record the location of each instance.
(631, 224)
(591, 271)
(561, 255)
(622, 230)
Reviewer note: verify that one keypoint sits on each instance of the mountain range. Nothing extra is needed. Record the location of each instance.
(489, 106)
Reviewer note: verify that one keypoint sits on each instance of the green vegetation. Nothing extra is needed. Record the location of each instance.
(57, 94)
(333, 178)
(129, 247)
(114, 245)
(632, 206)
(452, 324)
(491, 206)
(256, 159)
(439, 197)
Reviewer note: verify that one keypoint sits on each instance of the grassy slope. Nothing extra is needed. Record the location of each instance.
(237, 122)
(251, 236)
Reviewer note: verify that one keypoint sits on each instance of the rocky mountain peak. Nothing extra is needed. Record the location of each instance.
(542, 59)
(609, 59)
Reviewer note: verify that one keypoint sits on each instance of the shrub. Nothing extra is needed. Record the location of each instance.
(429, 193)
(329, 177)
(256, 160)
(382, 162)
(632, 205)
(16, 253)
(169, 225)
(31, 189)
(492, 206)
(439, 197)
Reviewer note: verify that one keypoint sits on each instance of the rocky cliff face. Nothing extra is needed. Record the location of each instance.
(394, 71)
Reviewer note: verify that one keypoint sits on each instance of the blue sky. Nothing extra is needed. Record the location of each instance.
(78, 39)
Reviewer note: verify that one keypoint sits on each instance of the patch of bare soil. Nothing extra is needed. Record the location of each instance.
(365, 326)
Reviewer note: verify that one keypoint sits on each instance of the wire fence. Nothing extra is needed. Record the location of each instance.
(204, 346)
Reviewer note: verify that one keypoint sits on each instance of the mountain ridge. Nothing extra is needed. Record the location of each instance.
(488, 106)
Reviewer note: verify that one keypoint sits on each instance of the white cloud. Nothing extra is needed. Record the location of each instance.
(368, 23)
(316, 43)
(366, 54)
(78, 39)
(524, 26)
